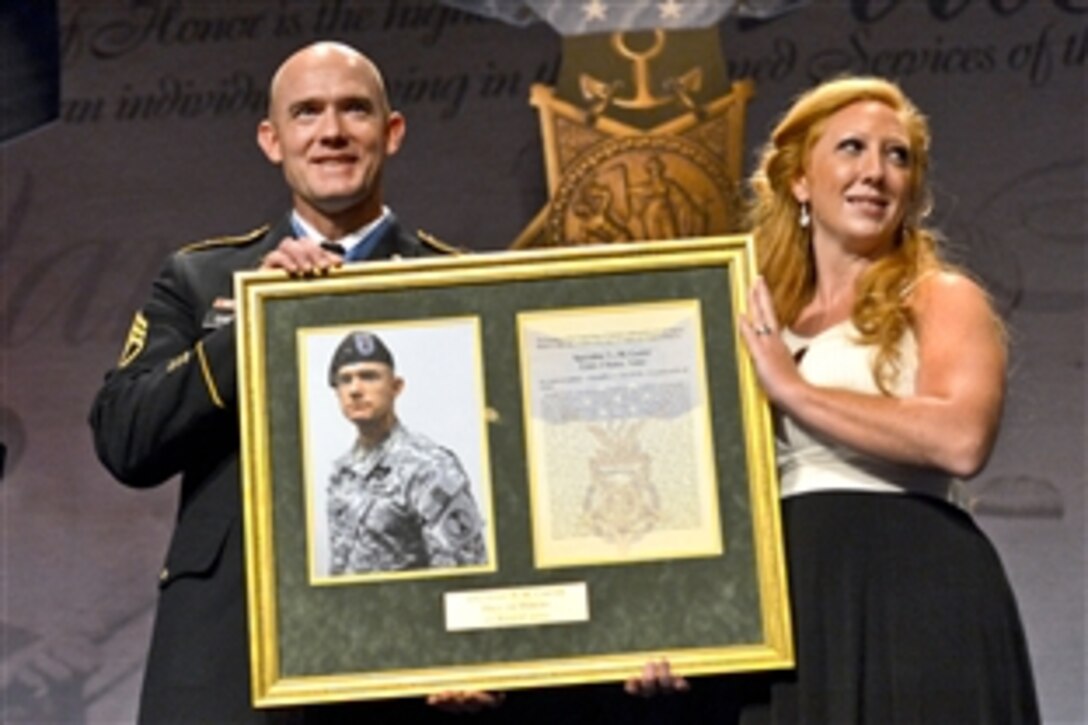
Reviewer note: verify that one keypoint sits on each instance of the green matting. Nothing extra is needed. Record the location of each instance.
(399, 625)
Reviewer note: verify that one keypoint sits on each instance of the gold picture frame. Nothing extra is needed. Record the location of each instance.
(604, 404)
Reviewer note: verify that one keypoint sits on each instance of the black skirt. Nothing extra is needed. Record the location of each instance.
(902, 613)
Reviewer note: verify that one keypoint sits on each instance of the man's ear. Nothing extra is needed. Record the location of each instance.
(269, 141)
(398, 385)
(395, 128)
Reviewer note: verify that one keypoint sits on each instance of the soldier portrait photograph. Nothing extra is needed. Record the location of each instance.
(391, 491)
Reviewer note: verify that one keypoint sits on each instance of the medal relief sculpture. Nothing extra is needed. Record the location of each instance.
(641, 142)
(643, 131)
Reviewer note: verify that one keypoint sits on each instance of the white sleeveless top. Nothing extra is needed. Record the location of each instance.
(808, 463)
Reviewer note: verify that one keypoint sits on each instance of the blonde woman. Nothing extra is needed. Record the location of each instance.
(886, 370)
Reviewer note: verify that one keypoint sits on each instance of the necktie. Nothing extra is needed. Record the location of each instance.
(361, 250)
(335, 248)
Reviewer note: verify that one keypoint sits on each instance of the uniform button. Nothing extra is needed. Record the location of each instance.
(164, 574)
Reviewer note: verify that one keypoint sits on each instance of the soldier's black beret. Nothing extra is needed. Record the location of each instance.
(358, 347)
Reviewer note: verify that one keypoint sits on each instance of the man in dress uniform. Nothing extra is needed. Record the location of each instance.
(169, 407)
(396, 499)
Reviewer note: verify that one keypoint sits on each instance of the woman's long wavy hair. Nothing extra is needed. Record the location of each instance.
(784, 248)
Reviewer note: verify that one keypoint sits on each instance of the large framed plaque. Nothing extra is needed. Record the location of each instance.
(583, 432)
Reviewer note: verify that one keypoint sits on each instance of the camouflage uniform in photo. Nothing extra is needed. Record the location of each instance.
(405, 504)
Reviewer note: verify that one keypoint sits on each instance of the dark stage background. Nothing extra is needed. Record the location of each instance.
(155, 148)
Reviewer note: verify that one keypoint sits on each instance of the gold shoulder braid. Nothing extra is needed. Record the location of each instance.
(237, 240)
(437, 244)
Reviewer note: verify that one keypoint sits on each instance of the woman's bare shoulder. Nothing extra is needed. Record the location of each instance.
(944, 291)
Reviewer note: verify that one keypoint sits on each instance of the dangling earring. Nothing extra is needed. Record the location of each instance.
(804, 218)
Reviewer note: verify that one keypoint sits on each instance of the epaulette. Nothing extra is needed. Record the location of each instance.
(237, 240)
(438, 245)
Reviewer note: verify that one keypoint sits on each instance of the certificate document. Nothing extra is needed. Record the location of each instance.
(618, 439)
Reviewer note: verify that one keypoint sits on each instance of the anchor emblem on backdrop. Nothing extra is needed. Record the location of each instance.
(643, 139)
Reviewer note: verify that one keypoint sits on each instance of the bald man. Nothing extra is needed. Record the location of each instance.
(169, 407)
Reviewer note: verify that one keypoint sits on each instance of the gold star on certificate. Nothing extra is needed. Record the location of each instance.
(670, 10)
(595, 10)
